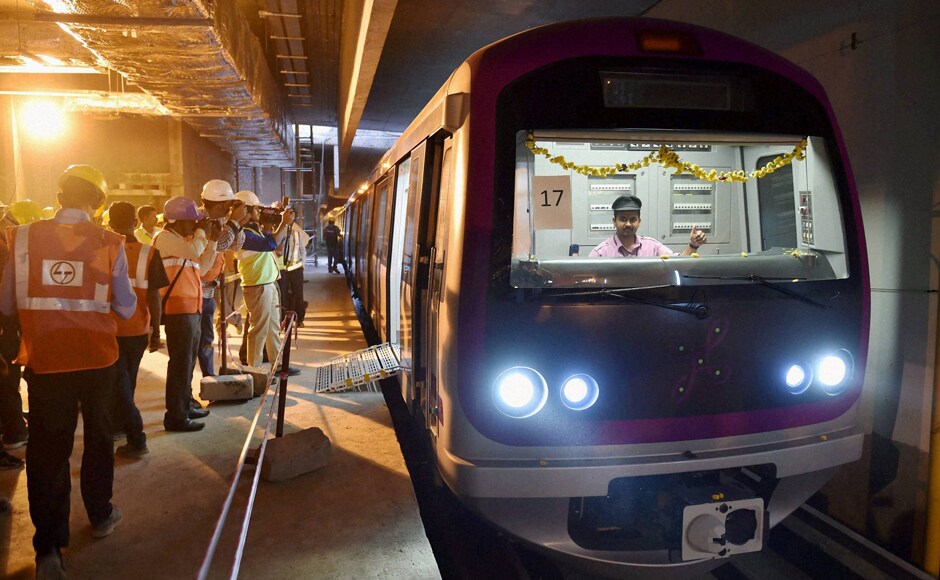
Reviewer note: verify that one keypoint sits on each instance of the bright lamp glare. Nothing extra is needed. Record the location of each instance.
(42, 120)
(579, 392)
(795, 376)
(831, 371)
(520, 392)
(516, 390)
(576, 390)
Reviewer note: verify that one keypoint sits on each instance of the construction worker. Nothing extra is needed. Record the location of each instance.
(147, 228)
(292, 255)
(331, 237)
(219, 204)
(258, 268)
(65, 278)
(147, 278)
(187, 246)
(13, 426)
(26, 211)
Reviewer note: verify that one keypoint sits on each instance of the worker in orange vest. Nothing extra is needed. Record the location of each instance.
(147, 278)
(65, 277)
(187, 246)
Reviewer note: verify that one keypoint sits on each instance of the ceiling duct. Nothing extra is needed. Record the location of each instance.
(198, 58)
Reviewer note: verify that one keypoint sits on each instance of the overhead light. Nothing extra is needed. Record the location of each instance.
(291, 56)
(42, 119)
(265, 14)
(286, 37)
(295, 72)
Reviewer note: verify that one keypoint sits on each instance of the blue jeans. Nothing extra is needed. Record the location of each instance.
(206, 352)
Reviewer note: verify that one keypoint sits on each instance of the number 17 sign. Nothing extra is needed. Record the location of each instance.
(551, 202)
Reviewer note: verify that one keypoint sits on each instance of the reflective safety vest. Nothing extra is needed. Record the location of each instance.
(257, 268)
(62, 278)
(185, 296)
(138, 266)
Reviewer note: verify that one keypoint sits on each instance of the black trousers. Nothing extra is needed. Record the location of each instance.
(331, 255)
(11, 402)
(53, 416)
(291, 285)
(182, 340)
(126, 414)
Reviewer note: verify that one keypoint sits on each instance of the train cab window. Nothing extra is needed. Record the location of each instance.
(767, 207)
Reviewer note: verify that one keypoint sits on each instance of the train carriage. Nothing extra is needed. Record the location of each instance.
(656, 412)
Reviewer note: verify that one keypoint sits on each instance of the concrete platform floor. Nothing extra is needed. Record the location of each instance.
(355, 518)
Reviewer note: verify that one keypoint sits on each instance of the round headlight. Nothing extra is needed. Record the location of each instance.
(797, 380)
(520, 392)
(833, 372)
(579, 392)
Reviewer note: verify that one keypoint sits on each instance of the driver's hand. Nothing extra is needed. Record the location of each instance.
(697, 237)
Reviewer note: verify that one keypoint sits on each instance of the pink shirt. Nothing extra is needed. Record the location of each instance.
(643, 247)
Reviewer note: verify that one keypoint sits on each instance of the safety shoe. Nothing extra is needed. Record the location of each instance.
(16, 440)
(104, 529)
(49, 566)
(131, 451)
(184, 426)
(198, 413)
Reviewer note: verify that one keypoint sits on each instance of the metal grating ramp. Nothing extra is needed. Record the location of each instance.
(359, 368)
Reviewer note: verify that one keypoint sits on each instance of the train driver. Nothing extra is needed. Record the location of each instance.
(627, 243)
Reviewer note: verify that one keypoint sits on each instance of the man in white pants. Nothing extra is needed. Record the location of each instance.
(259, 270)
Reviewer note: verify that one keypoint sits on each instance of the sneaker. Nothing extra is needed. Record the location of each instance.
(291, 371)
(49, 566)
(104, 529)
(15, 441)
(131, 451)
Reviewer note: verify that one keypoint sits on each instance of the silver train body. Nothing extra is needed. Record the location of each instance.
(654, 413)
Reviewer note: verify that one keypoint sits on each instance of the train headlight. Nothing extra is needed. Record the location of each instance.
(833, 372)
(579, 392)
(797, 379)
(520, 392)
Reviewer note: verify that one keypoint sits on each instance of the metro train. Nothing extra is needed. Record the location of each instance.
(651, 414)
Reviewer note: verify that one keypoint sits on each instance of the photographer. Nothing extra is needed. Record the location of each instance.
(188, 247)
(259, 270)
(221, 206)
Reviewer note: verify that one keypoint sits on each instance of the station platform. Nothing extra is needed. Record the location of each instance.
(357, 517)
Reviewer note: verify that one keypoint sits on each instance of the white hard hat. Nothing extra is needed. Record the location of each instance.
(217, 190)
(248, 197)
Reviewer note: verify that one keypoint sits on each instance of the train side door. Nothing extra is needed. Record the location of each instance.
(397, 234)
(439, 220)
(411, 283)
(364, 247)
(378, 259)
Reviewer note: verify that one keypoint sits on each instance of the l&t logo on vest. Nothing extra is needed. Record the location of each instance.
(62, 272)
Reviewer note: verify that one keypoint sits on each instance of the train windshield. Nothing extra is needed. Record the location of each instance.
(692, 208)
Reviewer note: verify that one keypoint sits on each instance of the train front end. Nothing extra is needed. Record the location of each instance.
(666, 409)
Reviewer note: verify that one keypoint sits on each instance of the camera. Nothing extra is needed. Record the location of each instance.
(272, 215)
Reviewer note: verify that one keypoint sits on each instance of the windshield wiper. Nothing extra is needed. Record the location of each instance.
(769, 283)
(701, 311)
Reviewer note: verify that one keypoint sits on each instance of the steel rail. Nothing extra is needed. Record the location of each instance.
(242, 458)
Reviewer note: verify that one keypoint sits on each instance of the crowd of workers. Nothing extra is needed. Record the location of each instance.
(80, 305)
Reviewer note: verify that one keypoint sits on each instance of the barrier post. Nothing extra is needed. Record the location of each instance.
(289, 320)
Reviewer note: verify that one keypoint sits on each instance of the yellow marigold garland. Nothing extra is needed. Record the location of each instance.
(668, 158)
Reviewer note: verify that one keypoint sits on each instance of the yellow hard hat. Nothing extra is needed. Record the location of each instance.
(48, 212)
(86, 173)
(26, 211)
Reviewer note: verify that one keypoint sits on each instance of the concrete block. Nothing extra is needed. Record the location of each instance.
(259, 376)
(226, 388)
(296, 454)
